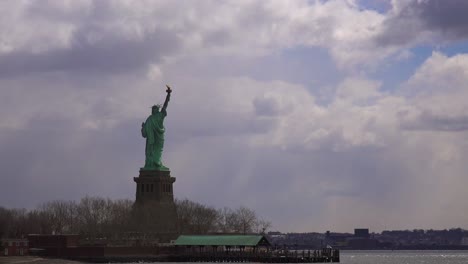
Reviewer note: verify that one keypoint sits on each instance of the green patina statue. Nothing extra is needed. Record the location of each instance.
(153, 131)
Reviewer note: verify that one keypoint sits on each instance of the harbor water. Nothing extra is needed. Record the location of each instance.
(404, 257)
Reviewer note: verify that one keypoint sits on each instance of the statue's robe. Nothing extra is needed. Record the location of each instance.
(153, 131)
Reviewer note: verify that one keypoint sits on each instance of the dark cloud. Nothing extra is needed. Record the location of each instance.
(447, 16)
(266, 106)
(434, 122)
(110, 53)
(101, 40)
(446, 19)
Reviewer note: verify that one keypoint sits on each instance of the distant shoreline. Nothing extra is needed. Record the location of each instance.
(35, 260)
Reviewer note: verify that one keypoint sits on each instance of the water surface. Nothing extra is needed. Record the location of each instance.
(404, 257)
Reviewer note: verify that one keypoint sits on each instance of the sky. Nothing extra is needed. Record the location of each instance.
(318, 115)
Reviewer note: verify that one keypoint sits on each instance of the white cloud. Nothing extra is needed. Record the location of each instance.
(358, 90)
(154, 72)
(354, 36)
(247, 28)
(439, 90)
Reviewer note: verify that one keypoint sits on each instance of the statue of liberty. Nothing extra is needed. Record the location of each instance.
(153, 131)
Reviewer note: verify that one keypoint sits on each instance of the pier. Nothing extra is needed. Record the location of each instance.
(304, 256)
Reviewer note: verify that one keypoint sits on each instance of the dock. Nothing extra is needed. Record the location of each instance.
(304, 256)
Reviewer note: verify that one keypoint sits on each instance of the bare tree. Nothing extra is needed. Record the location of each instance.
(195, 218)
(38, 222)
(244, 220)
(204, 219)
(96, 217)
(92, 215)
(18, 224)
(225, 220)
(262, 226)
(5, 221)
(61, 215)
(119, 215)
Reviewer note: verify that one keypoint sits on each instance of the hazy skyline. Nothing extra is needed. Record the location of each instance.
(319, 115)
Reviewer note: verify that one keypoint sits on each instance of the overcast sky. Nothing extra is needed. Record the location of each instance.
(319, 115)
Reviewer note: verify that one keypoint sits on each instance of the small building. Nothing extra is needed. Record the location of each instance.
(52, 245)
(361, 232)
(224, 243)
(14, 246)
(337, 240)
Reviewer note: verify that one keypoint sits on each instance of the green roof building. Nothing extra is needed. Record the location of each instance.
(223, 240)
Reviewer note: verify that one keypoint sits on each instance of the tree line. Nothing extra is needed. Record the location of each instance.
(102, 217)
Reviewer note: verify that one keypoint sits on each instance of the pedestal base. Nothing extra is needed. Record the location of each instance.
(154, 207)
(153, 185)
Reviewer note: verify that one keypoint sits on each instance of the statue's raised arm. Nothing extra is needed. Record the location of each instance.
(168, 97)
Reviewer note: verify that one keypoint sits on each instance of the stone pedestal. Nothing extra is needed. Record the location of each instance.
(154, 206)
(153, 185)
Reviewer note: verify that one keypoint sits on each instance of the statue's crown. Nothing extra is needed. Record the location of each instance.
(156, 106)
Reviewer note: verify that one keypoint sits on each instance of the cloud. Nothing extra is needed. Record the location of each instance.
(71, 31)
(78, 78)
(438, 89)
(98, 42)
(423, 21)
(94, 33)
(101, 57)
(429, 121)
